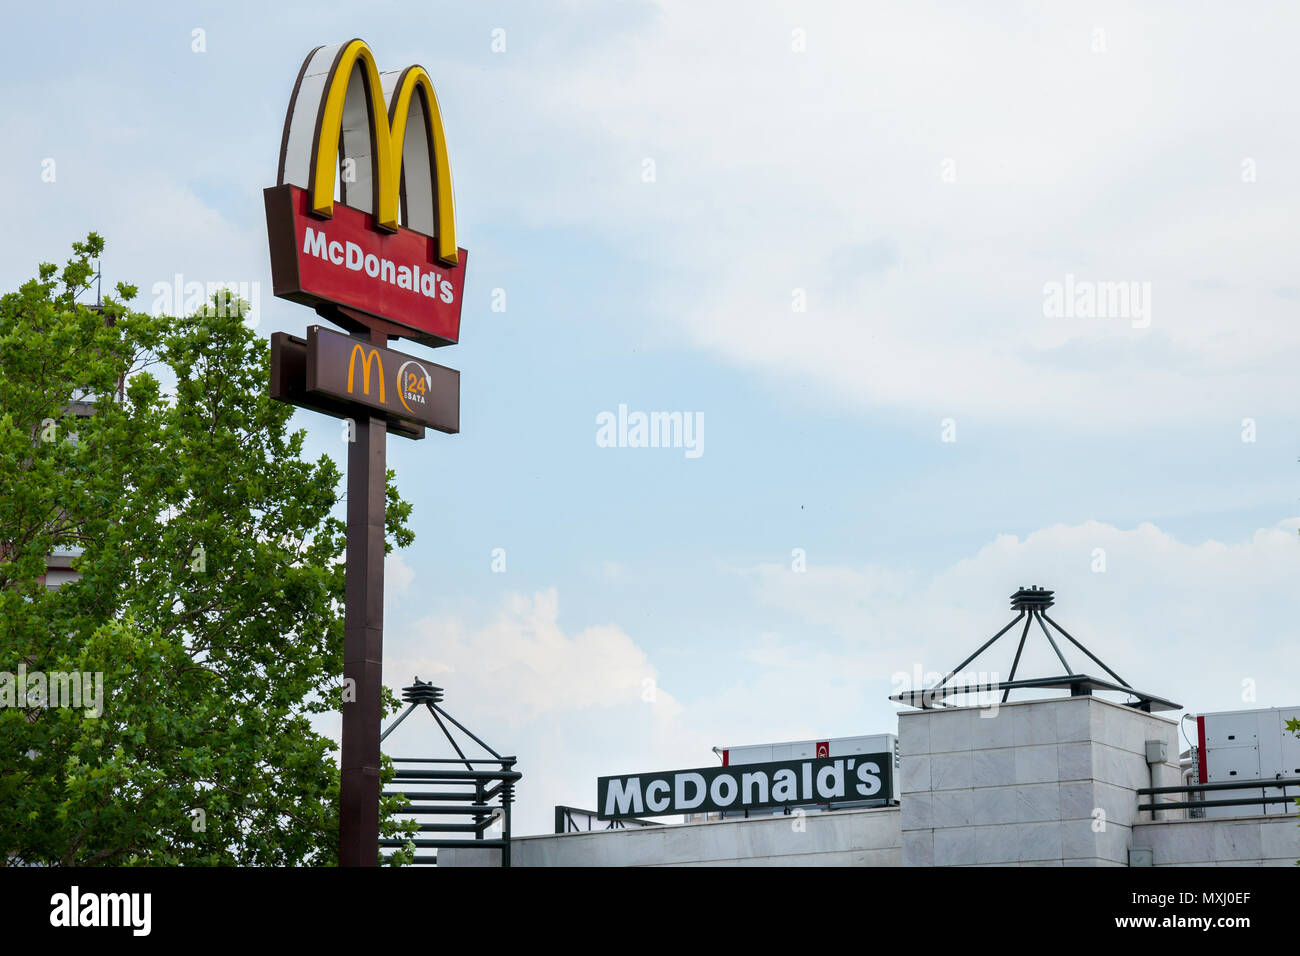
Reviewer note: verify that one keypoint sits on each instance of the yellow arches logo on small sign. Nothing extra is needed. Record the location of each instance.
(366, 358)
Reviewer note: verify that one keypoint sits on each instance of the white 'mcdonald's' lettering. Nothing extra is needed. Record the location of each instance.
(352, 256)
(749, 786)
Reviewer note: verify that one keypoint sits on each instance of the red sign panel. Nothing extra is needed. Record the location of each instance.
(823, 748)
(345, 261)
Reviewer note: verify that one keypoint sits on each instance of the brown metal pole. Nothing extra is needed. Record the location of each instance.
(363, 647)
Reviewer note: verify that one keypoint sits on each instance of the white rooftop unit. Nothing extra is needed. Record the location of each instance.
(1236, 745)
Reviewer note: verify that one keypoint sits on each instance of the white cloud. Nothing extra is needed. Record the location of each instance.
(525, 654)
(398, 575)
(1187, 621)
(1195, 623)
(778, 170)
(571, 706)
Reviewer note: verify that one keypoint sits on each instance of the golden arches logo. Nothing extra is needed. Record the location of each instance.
(389, 129)
(366, 357)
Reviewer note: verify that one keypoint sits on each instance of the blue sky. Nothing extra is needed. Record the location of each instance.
(920, 175)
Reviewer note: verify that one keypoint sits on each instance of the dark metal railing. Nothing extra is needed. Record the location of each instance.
(485, 798)
(1263, 800)
(571, 820)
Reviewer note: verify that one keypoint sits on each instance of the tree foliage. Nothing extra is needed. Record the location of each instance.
(209, 597)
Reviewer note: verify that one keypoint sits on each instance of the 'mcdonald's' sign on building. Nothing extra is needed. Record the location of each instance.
(385, 254)
(853, 779)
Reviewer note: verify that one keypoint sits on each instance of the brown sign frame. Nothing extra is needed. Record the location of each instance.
(421, 392)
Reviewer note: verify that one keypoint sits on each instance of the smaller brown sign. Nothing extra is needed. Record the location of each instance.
(289, 384)
(397, 385)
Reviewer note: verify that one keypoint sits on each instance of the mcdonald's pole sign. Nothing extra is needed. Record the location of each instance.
(380, 262)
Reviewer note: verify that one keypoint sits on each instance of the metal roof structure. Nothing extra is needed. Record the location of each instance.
(483, 791)
(1032, 603)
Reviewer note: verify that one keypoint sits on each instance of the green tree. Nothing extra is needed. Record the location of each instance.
(209, 597)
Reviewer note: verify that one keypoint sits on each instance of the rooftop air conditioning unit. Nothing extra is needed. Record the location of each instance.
(1238, 745)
